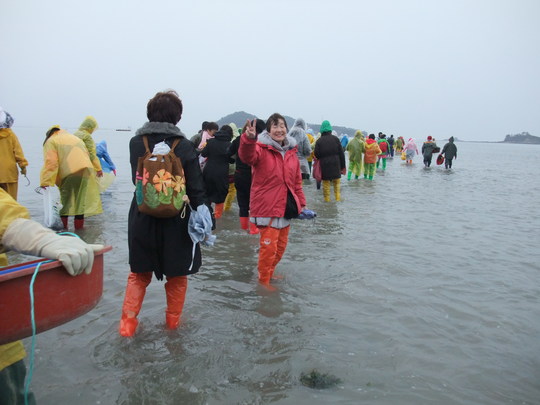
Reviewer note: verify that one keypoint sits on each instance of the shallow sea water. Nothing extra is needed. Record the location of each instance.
(420, 287)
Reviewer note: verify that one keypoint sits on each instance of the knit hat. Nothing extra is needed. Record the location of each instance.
(429, 138)
(326, 127)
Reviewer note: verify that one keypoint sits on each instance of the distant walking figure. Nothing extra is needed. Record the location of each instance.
(427, 150)
(450, 152)
(410, 148)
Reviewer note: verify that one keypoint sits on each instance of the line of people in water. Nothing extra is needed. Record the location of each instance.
(263, 165)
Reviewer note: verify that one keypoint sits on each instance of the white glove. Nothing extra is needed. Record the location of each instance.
(29, 237)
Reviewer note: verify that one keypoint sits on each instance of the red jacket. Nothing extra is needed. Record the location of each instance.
(272, 175)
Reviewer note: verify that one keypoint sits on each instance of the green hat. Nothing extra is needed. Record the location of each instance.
(325, 126)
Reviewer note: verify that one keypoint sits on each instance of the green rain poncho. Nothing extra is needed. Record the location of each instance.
(356, 149)
(88, 126)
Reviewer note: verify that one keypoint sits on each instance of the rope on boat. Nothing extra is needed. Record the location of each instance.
(33, 321)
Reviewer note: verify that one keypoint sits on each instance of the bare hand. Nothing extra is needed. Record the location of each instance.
(251, 133)
(99, 173)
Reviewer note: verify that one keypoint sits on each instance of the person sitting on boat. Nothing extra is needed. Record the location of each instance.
(19, 233)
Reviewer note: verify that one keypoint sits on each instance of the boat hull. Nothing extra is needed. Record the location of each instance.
(58, 297)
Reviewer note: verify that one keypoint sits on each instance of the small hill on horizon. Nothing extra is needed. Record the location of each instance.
(239, 118)
(524, 137)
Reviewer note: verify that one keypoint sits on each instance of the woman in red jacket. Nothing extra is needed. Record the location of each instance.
(276, 189)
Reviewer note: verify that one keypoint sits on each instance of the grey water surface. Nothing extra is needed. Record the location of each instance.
(420, 287)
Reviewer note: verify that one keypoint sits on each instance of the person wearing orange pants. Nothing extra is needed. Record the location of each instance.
(276, 190)
(272, 245)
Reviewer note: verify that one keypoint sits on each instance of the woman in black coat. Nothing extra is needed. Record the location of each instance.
(329, 152)
(216, 169)
(242, 181)
(162, 246)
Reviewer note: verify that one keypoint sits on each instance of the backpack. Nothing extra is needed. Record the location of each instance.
(160, 184)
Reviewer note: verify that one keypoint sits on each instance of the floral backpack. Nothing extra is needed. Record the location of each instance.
(160, 185)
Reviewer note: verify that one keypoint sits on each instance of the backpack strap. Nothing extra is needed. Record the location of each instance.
(174, 144)
(145, 141)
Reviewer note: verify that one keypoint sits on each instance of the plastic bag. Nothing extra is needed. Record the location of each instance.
(52, 207)
(105, 181)
(307, 214)
(317, 173)
(160, 148)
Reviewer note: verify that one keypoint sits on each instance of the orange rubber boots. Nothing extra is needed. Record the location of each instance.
(135, 291)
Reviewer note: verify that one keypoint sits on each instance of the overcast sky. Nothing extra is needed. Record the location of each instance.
(467, 68)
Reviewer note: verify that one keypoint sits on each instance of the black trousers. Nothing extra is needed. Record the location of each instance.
(243, 192)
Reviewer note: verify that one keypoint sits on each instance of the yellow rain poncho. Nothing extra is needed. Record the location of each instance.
(67, 164)
(10, 210)
(311, 139)
(11, 154)
(88, 126)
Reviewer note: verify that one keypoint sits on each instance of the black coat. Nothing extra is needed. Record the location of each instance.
(428, 149)
(330, 153)
(242, 168)
(449, 150)
(216, 169)
(163, 245)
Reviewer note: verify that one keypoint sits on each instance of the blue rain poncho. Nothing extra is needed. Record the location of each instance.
(104, 158)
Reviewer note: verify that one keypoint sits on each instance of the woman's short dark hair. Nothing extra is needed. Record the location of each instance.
(274, 119)
(165, 106)
(211, 126)
(260, 125)
(227, 130)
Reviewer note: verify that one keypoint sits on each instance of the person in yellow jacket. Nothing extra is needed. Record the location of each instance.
(87, 127)
(11, 155)
(67, 164)
(19, 233)
(311, 138)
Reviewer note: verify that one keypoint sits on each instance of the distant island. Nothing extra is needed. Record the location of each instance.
(524, 137)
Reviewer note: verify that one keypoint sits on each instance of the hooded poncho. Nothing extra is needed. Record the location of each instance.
(298, 132)
(88, 126)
